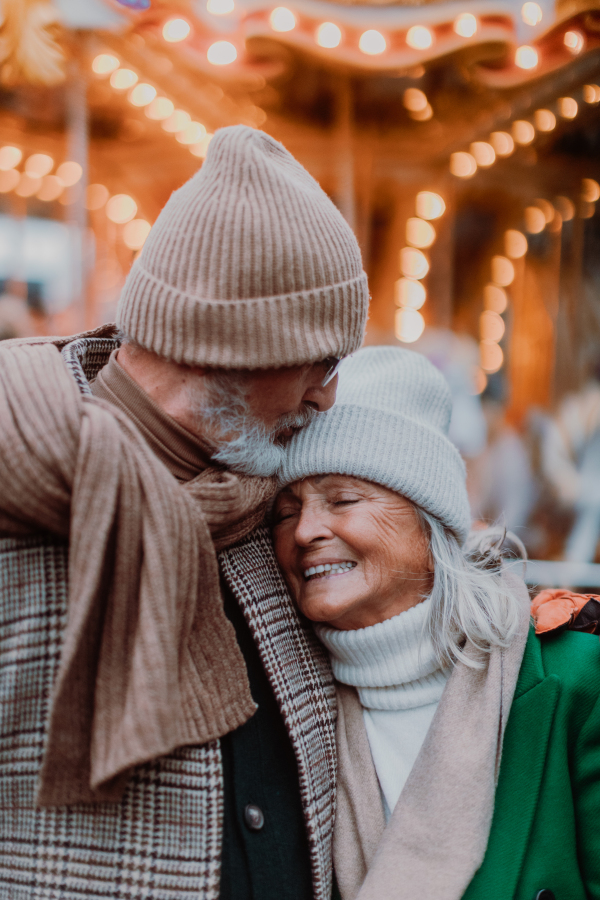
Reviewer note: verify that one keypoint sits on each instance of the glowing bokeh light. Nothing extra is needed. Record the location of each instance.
(135, 233)
(567, 107)
(502, 143)
(574, 42)
(419, 38)
(9, 158)
(201, 148)
(495, 298)
(515, 243)
(535, 220)
(9, 179)
(462, 164)
(526, 57)
(105, 63)
(220, 7)
(491, 356)
(429, 205)
(503, 271)
(51, 189)
(413, 263)
(409, 293)
(372, 42)
(142, 94)
(39, 164)
(282, 19)
(121, 79)
(160, 109)
(523, 132)
(328, 35)
(483, 153)
(414, 99)
(591, 93)
(121, 208)
(96, 196)
(531, 13)
(566, 208)
(465, 25)
(491, 326)
(177, 121)
(479, 380)
(69, 173)
(590, 190)
(221, 53)
(176, 30)
(409, 325)
(419, 233)
(546, 207)
(544, 120)
(192, 134)
(28, 185)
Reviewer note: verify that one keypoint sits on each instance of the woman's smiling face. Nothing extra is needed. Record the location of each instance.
(353, 553)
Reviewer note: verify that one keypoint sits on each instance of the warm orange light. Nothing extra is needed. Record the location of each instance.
(546, 208)
(69, 173)
(535, 220)
(282, 19)
(160, 109)
(429, 205)
(9, 158)
(39, 164)
(419, 233)
(465, 25)
(566, 208)
(220, 7)
(483, 153)
(479, 380)
(105, 63)
(121, 208)
(409, 293)
(502, 143)
(495, 298)
(531, 13)
(51, 189)
(221, 53)
(121, 79)
(523, 132)
(526, 57)
(414, 99)
(423, 115)
(142, 94)
(96, 196)
(409, 325)
(9, 179)
(503, 271)
(515, 244)
(419, 38)
(192, 134)
(591, 93)
(28, 185)
(462, 164)
(491, 356)
(135, 233)
(328, 35)
(544, 120)
(201, 148)
(491, 326)
(372, 42)
(590, 190)
(177, 121)
(574, 42)
(176, 30)
(567, 107)
(413, 263)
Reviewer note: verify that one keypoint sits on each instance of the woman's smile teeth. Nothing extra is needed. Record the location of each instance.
(328, 569)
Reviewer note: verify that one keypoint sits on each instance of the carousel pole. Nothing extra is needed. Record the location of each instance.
(78, 151)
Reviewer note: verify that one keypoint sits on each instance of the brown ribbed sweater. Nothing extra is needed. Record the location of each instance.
(149, 660)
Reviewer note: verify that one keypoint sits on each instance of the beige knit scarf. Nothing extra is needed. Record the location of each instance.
(149, 660)
(437, 836)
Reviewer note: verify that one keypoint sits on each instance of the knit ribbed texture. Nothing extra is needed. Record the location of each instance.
(389, 425)
(249, 265)
(392, 664)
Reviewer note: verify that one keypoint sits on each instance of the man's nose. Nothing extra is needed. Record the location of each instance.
(321, 398)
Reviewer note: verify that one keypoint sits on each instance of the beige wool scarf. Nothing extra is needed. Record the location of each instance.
(149, 660)
(437, 835)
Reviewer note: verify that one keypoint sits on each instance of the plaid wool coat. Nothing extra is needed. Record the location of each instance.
(163, 840)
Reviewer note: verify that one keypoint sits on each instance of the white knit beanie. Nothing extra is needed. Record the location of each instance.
(249, 265)
(389, 425)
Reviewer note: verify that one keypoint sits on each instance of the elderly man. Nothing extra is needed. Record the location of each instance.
(166, 727)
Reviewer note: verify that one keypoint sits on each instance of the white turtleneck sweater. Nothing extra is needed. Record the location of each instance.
(399, 683)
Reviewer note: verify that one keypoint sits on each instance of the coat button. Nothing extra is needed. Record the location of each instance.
(254, 818)
(545, 894)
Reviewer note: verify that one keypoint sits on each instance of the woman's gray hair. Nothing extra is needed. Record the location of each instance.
(470, 600)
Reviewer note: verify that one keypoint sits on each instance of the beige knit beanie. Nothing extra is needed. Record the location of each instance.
(249, 265)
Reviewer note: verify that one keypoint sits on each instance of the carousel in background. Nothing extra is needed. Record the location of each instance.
(461, 140)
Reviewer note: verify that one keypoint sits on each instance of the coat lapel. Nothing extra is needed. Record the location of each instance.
(299, 672)
(523, 760)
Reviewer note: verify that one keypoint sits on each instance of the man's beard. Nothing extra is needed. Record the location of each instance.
(224, 409)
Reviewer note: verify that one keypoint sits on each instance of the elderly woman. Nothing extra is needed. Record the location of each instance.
(468, 746)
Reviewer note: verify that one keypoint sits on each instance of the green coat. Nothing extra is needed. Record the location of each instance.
(546, 826)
